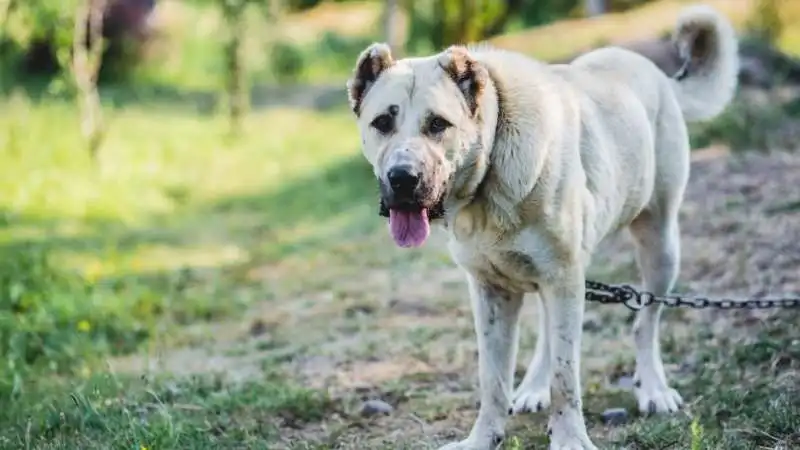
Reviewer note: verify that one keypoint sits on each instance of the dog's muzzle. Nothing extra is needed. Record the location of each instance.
(405, 190)
(410, 204)
(404, 186)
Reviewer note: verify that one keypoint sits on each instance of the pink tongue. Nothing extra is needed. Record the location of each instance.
(409, 229)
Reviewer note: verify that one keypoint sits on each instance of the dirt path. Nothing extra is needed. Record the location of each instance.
(404, 333)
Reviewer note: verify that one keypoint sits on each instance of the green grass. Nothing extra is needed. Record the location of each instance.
(163, 226)
(258, 270)
(177, 226)
(106, 412)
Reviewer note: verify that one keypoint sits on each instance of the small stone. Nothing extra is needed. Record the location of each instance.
(625, 382)
(257, 328)
(688, 365)
(615, 416)
(375, 407)
(591, 326)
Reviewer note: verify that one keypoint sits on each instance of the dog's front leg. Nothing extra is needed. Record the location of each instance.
(564, 300)
(496, 314)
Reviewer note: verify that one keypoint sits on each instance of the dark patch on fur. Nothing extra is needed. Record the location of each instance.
(497, 439)
(371, 63)
(522, 262)
(434, 212)
(468, 74)
(492, 314)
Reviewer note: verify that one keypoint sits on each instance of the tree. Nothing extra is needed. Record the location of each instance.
(595, 7)
(233, 12)
(390, 12)
(87, 56)
(5, 10)
(766, 22)
(237, 90)
(439, 23)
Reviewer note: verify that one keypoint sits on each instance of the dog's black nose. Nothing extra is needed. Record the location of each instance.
(403, 181)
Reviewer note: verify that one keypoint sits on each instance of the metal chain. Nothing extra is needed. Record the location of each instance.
(636, 300)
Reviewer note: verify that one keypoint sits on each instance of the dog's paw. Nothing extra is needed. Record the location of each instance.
(475, 444)
(569, 440)
(657, 398)
(531, 400)
(463, 445)
(567, 431)
(572, 444)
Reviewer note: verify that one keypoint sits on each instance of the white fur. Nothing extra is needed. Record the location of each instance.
(555, 159)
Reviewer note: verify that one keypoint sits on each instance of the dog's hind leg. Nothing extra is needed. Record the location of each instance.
(658, 254)
(533, 393)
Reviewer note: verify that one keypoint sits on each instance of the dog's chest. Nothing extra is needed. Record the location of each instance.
(498, 265)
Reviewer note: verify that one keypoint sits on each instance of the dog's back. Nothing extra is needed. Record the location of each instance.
(706, 75)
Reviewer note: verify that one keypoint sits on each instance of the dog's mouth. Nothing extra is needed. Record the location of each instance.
(409, 223)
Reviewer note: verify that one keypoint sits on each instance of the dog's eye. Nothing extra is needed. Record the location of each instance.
(438, 124)
(383, 123)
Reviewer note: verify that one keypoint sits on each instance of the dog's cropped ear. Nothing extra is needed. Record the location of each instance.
(371, 63)
(468, 74)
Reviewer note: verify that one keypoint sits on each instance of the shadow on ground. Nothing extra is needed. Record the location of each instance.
(342, 189)
(203, 102)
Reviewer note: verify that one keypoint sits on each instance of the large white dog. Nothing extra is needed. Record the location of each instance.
(529, 166)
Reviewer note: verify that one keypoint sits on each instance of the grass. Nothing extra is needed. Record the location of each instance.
(567, 37)
(170, 203)
(190, 290)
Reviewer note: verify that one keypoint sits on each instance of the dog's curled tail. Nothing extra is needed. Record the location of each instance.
(708, 47)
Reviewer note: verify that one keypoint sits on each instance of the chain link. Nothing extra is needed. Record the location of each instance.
(636, 300)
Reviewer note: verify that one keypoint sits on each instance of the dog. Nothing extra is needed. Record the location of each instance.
(528, 167)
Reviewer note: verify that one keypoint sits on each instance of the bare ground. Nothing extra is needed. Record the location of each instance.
(402, 333)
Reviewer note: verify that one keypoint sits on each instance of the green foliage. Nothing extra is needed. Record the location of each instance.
(766, 23)
(624, 5)
(287, 62)
(38, 41)
(39, 25)
(52, 318)
(439, 23)
(435, 24)
(744, 125)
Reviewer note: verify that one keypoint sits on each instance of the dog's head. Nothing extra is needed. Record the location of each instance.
(421, 126)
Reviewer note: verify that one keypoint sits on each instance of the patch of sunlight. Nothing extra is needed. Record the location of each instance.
(33, 232)
(790, 43)
(154, 258)
(355, 18)
(567, 37)
(154, 161)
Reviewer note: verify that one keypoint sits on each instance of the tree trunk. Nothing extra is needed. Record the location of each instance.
(5, 11)
(595, 7)
(236, 83)
(87, 57)
(390, 25)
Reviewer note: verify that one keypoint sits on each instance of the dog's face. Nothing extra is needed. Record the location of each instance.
(420, 125)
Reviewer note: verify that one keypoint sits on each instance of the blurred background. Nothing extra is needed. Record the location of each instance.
(182, 191)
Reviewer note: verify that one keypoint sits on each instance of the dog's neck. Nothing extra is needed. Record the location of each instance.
(478, 192)
(470, 194)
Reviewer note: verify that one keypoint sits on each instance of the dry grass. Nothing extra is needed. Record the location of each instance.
(248, 295)
(567, 37)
